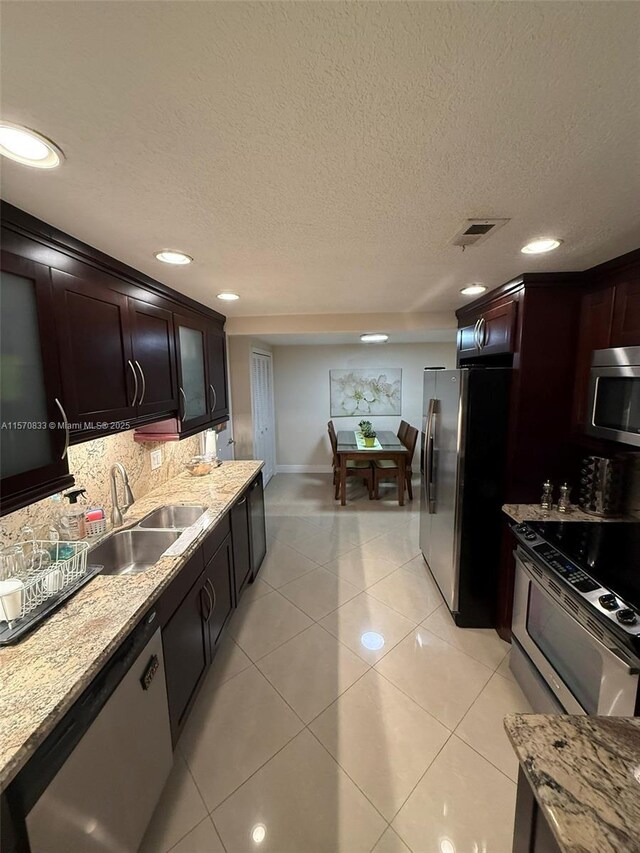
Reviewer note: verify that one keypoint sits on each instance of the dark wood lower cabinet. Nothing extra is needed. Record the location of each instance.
(257, 527)
(187, 654)
(218, 579)
(240, 533)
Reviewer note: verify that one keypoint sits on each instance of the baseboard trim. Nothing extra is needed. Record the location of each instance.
(303, 469)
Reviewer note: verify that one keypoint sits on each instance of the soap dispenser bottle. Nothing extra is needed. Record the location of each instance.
(72, 521)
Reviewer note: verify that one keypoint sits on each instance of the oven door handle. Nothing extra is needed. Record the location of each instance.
(632, 667)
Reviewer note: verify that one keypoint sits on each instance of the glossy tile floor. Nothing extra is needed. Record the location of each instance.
(345, 711)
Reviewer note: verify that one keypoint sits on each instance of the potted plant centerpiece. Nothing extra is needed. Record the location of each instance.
(363, 425)
(369, 435)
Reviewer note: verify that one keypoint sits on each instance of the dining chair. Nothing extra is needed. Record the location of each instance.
(386, 469)
(402, 430)
(355, 467)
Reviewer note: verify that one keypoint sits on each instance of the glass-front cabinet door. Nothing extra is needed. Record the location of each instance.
(192, 371)
(34, 428)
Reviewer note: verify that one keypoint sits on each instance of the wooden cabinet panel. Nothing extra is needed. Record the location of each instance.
(625, 330)
(194, 403)
(492, 332)
(33, 460)
(154, 358)
(95, 349)
(594, 333)
(186, 647)
(218, 576)
(468, 340)
(217, 374)
(496, 329)
(257, 527)
(241, 545)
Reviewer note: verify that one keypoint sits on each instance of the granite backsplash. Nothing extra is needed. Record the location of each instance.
(90, 464)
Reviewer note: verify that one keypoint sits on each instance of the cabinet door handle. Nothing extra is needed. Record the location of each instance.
(183, 408)
(135, 379)
(144, 383)
(205, 588)
(66, 427)
(215, 398)
(213, 592)
(482, 332)
(243, 501)
(476, 339)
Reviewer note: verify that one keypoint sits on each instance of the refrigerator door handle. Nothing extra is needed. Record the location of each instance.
(428, 455)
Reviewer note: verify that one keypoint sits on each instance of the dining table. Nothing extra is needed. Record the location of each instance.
(390, 447)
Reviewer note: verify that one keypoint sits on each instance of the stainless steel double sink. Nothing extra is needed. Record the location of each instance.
(132, 551)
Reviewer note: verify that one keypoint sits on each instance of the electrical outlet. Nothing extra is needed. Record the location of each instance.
(156, 459)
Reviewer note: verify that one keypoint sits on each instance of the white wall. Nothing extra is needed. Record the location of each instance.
(301, 387)
(239, 354)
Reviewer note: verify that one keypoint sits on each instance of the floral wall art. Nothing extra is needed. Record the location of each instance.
(371, 391)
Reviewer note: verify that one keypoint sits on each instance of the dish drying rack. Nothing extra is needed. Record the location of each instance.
(47, 582)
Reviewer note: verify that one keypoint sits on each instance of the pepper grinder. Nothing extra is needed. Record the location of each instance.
(546, 501)
(564, 504)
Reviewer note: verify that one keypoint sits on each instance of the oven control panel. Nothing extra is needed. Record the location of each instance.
(571, 573)
(603, 600)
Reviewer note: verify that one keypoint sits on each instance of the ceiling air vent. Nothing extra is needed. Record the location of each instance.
(474, 231)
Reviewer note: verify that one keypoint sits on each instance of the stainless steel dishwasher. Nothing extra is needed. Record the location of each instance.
(113, 751)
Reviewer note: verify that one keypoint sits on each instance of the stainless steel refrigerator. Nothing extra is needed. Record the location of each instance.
(464, 438)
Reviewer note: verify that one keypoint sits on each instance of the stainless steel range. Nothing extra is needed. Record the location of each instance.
(576, 616)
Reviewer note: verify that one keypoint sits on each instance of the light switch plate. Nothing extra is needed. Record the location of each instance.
(156, 459)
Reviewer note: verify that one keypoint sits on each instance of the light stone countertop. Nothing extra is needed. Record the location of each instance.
(534, 512)
(43, 675)
(585, 774)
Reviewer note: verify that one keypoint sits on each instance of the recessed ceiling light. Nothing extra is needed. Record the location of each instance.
(28, 147)
(542, 244)
(228, 297)
(173, 256)
(473, 289)
(374, 338)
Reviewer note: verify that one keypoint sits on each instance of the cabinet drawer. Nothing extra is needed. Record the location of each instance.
(216, 537)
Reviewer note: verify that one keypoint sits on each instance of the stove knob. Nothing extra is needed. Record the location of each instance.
(626, 617)
(609, 602)
(522, 528)
(530, 535)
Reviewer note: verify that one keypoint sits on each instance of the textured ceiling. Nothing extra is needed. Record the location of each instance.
(319, 157)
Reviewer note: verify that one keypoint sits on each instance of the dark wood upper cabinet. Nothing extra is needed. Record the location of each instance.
(468, 340)
(94, 339)
(153, 358)
(217, 374)
(497, 327)
(625, 331)
(33, 461)
(194, 399)
(596, 311)
(492, 331)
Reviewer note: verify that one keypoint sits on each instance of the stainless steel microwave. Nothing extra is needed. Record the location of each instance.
(614, 395)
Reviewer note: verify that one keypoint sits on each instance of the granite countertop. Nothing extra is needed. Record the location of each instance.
(585, 774)
(534, 512)
(42, 676)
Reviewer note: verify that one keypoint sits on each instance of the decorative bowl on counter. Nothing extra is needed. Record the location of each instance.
(201, 465)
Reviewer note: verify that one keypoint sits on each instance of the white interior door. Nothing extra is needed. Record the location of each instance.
(264, 431)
